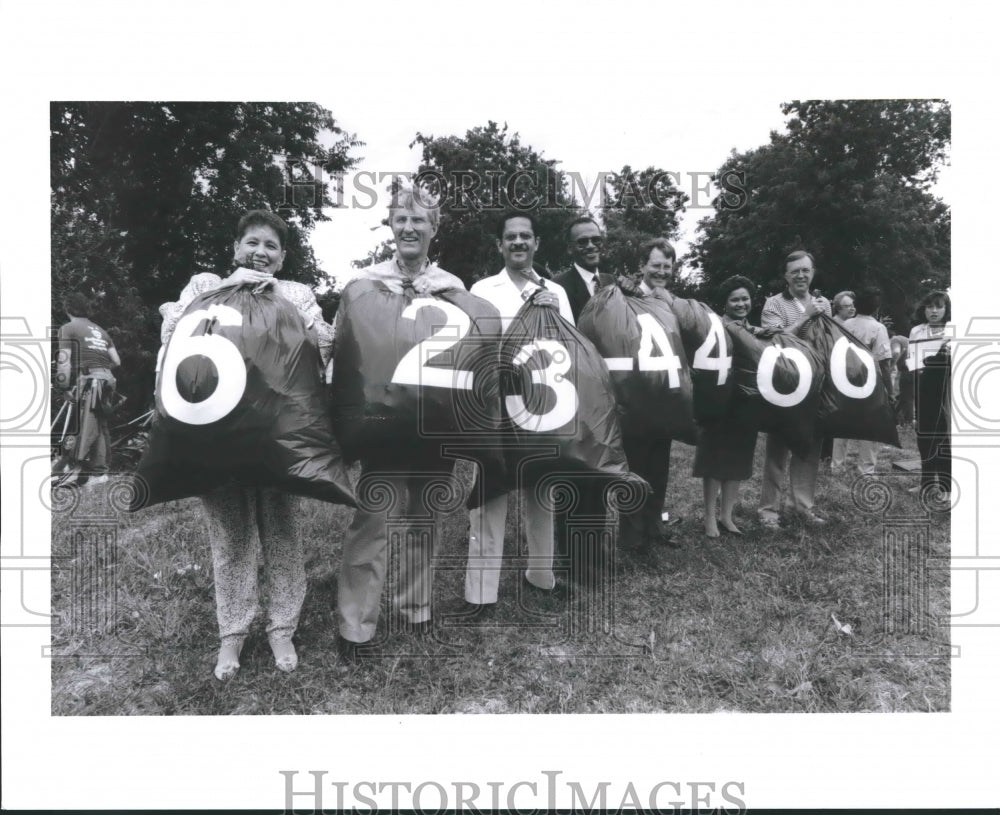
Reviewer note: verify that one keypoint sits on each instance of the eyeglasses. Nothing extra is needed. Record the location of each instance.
(597, 240)
(658, 267)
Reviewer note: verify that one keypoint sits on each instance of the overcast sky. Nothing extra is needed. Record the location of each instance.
(690, 135)
(595, 86)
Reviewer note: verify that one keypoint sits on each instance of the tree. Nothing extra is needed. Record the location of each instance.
(848, 181)
(637, 207)
(477, 177)
(146, 194)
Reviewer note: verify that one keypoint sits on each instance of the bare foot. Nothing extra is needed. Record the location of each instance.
(729, 526)
(711, 529)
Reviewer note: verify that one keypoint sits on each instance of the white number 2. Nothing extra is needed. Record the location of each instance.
(652, 336)
(413, 368)
(716, 338)
(554, 377)
(228, 361)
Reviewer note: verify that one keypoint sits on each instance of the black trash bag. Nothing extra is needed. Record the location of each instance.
(855, 401)
(240, 399)
(414, 372)
(557, 394)
(641, 345)
(709, 352)
(777, 385)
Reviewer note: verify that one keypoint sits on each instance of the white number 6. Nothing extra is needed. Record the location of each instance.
(224, 355)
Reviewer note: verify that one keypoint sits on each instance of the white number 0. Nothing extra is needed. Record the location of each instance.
(838, 370)
(554, 377)
(413, 368)
(224, 355)
(765, 376)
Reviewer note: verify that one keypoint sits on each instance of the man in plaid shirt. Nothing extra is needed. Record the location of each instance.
(789, 312)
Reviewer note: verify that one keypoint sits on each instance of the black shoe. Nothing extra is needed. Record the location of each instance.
(348, 649)
(421, 629)
(461, 610)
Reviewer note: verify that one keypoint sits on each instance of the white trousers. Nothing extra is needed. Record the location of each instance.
(486, 537)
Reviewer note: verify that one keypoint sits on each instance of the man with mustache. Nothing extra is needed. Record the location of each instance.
(508, 290)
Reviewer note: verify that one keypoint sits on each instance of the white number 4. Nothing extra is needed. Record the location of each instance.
(716, 338)
(652, 337)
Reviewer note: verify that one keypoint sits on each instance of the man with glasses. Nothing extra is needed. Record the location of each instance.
(585, 240)
(788, 312)
(582, 280)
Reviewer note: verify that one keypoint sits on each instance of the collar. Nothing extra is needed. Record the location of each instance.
(401, 267)
(512, 276)
(587, 276)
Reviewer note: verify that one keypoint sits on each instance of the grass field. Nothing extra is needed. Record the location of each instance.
(794, 620)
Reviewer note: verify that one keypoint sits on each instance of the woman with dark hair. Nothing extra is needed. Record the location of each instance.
(237, 514)
(724, 455)
(929, 358)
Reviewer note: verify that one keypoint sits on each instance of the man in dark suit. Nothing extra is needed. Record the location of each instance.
(585, 241)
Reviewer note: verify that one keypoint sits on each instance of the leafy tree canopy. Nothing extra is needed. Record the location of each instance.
(639, 206)
(849, 182)
(477, 177)
(146, 194)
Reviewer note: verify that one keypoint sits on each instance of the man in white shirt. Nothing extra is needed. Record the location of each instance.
(788, 312)
(507, 291)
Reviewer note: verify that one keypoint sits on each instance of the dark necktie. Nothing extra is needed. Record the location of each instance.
(597, 282)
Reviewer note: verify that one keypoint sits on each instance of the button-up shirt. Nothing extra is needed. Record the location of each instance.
(501, 290)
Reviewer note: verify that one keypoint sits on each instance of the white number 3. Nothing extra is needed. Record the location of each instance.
(228, 361)
(553, 377)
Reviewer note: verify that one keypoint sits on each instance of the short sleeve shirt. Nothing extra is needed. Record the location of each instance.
(872, 334)
(783, 310)
(88, 343)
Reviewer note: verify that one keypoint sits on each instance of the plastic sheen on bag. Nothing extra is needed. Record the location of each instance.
(709, 354)
(640, 342)
(413, 373)
(777, 385)
(240, 399)
(855, 402)
(559, 400)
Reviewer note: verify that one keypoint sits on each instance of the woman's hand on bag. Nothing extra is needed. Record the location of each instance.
(243, 275)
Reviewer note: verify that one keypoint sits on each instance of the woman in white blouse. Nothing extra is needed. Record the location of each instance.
(929, 358)
(236, 514)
